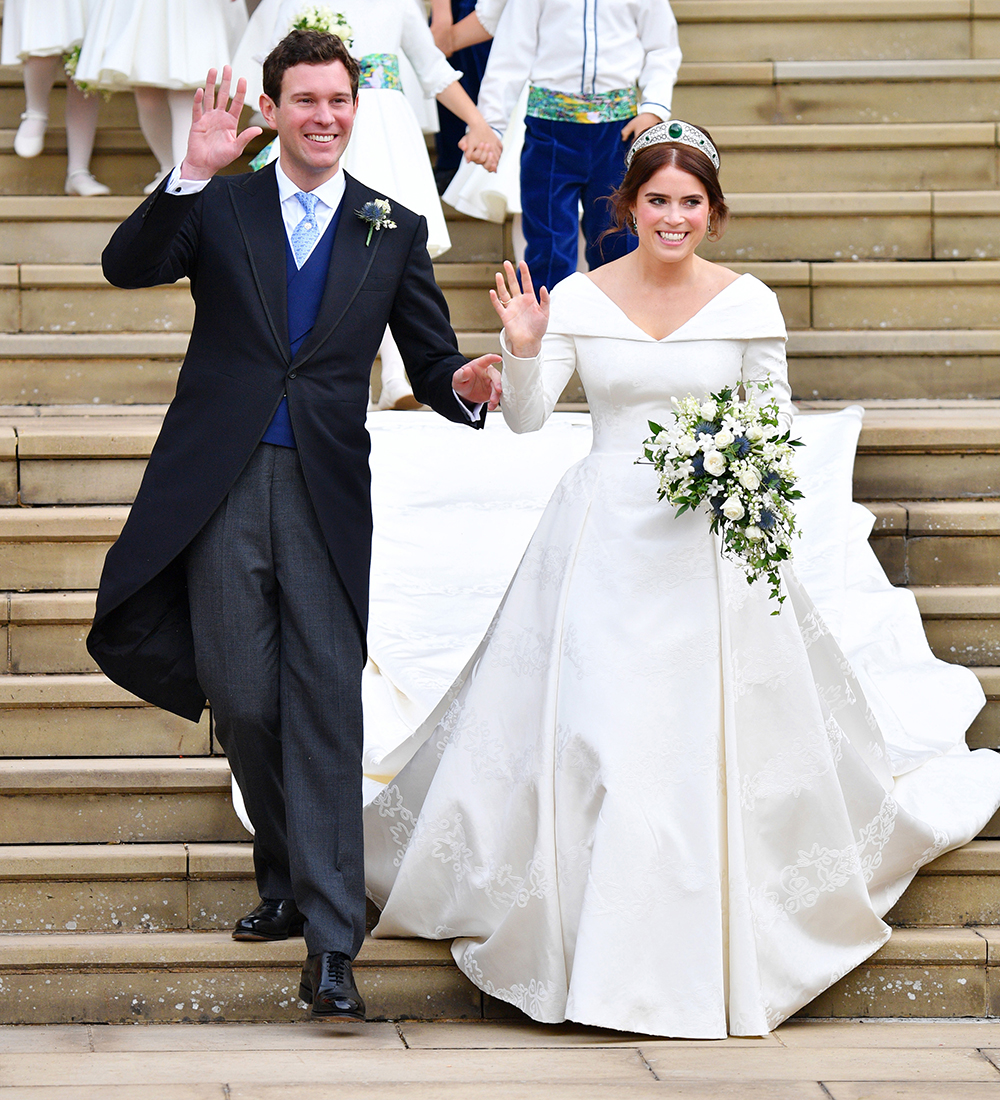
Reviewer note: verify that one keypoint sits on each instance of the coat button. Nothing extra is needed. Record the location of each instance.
(292, 374)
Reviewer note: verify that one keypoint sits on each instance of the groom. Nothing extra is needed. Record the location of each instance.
(242, 572)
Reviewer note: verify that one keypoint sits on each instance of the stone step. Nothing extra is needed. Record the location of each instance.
(209, 977)
(957, 156)
(783, 30)
(882, 364)
(121, 160)
(125, 887)
(863, 295)
(84, 714)
(850, 226)
(207, 887)
(962, 623)
(908, 453)
(856, 91)
(117, 800)
(927, 453)
(56, 548)
(116, 369)
(932, 543)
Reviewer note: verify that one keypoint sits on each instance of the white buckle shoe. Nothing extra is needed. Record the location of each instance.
(30, 137)
(81, 182)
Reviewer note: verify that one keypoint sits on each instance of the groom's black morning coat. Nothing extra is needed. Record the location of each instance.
(230, 241)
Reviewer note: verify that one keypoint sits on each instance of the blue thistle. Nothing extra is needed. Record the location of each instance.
(766, 521)
(698, 462)
(742, 445)
(706, 427)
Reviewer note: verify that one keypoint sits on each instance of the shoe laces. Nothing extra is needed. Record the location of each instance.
(336, 968)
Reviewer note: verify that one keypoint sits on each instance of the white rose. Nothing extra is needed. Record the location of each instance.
(754, 534)
(723, 438)
(732, 509)
(715, 464)
(708, 410)
(754, 434)
(749, 478)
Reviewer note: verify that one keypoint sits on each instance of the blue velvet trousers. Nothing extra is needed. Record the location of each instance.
(562, 165)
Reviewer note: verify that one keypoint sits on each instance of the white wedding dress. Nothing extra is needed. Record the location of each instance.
(647, 803)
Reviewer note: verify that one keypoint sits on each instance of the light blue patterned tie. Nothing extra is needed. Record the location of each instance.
(306, 233)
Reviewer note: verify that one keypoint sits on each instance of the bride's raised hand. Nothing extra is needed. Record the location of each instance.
(525, 317)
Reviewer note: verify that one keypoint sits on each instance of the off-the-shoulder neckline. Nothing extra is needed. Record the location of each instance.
(680, 328)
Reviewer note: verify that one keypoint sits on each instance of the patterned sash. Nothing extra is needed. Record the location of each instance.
(600, 107)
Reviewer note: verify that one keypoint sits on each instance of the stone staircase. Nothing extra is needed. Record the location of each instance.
(860, 154)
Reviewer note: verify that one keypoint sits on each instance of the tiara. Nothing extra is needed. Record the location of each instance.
(682, 133)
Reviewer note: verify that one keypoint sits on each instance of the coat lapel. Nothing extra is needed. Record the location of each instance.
(258, 213)
(350, 262)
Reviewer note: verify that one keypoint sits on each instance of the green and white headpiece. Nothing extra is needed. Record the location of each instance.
(678, 133)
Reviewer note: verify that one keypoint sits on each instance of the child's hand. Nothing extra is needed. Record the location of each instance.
(482, 146)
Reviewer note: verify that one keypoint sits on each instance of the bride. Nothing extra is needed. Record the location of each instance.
(647, 803)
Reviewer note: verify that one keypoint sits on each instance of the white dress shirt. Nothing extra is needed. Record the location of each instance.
(580, 47)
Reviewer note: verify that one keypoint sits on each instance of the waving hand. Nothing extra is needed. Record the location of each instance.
(213, 141)
(525, 317)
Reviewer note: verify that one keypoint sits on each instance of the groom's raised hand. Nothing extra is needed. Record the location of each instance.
(213, 141)
(479, 381)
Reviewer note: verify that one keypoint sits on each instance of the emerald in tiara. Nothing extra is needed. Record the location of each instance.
(683, 133)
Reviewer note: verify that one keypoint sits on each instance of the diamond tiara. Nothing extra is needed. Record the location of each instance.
(677, 132)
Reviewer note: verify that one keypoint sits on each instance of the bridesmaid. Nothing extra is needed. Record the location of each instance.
(36, 34)
(162, 50)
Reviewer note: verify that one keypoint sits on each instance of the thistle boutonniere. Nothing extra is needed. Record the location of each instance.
(376, 214)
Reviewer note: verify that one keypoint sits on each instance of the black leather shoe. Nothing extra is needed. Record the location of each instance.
(328, 985)
(273, 919)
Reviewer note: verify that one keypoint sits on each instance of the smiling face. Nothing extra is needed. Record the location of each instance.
(314, 119)
(671, 214)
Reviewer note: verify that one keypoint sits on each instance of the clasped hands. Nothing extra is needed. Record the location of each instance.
(482, 146)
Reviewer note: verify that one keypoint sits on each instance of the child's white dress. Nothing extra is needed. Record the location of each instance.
(387, 150)
(159, 43)
(42, 28)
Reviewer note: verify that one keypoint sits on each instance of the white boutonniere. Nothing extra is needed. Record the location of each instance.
(376, 214)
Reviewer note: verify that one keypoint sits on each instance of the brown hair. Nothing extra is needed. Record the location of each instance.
(307, 48)
(649, 160)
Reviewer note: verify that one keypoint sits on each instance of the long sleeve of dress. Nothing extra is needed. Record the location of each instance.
(531, 387)
(764, 362)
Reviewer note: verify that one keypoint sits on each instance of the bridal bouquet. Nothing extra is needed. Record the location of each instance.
(728, 457)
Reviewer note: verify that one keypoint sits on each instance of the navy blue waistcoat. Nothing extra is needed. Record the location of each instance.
(305, 292)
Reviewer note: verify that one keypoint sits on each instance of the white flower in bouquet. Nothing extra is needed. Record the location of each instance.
(730, 459)
(714, 463)
(749, 478)
(723, 437)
